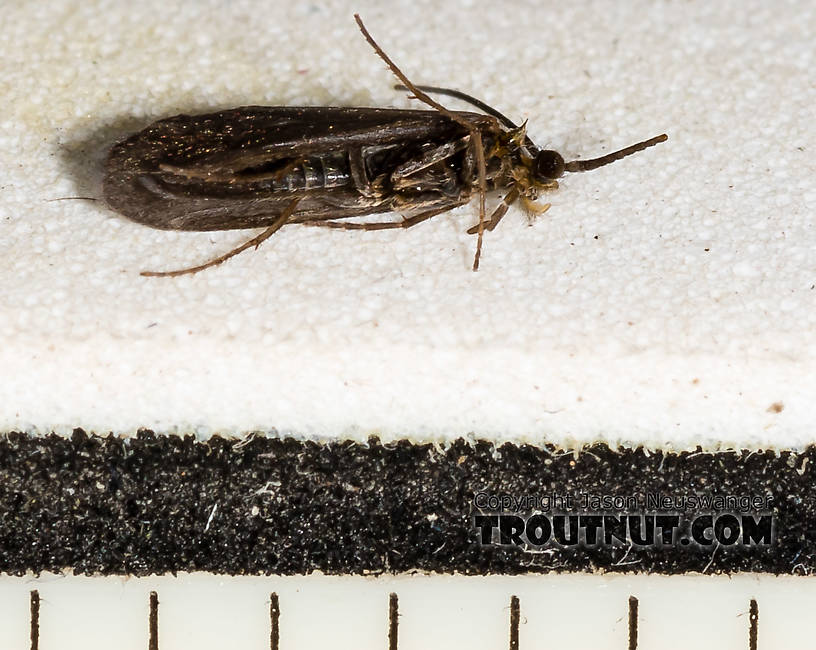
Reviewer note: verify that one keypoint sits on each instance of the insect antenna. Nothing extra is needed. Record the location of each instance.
(475, 134)
(458, 94)
(470, 99)
(594, 163)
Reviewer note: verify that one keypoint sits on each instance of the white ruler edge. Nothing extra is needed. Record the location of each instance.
(202, 611)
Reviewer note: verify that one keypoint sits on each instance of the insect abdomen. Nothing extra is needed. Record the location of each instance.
(314, 173)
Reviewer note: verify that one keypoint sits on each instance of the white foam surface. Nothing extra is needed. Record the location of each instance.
(667, 299)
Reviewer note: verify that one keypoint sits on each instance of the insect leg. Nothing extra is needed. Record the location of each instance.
(255, 241)
(358, 173)
(482, 167)
(387, 225)
(498, 213)
(476, 135)
(277, 175)
(534, 209)
(399, 177)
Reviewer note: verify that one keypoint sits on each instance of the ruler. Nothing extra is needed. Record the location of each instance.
(203, 612)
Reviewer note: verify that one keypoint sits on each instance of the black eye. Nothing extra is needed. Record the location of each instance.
(549, 165)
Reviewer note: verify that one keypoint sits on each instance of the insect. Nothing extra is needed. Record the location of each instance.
(267, 167)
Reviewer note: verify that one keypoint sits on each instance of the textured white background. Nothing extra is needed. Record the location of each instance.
(666, 299)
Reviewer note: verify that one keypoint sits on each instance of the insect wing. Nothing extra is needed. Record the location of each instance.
(219, 171)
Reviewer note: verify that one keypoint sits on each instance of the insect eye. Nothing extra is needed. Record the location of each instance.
(549, 164)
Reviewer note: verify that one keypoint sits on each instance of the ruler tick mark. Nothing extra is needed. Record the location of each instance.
(515, 615)
(34, 606)
(753, 624)
(393, 621)
(274, 622)
(633, 623)
(153, 622)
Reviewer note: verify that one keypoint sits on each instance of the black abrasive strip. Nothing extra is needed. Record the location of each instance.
(155, 504)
